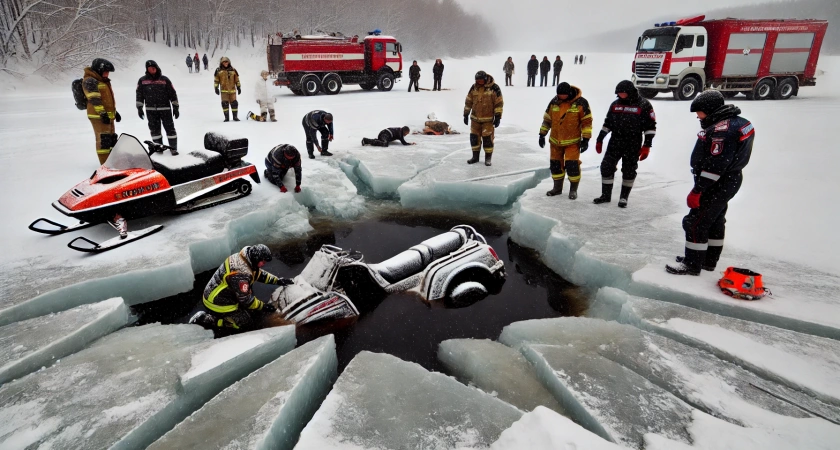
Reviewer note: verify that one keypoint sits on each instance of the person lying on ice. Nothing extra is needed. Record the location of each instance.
(228, 301)
(388, 135)
(278, 162)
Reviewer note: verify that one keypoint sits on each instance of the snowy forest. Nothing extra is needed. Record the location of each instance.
(52, 36)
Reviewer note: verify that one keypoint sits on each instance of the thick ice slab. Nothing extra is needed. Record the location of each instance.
(382, 402)
(126, 389)
(544, 429)
(31, 344)
(498, 370)
(265, 410)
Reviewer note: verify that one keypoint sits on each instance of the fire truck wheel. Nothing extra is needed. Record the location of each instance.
(331, 84)
(648, 93)
(688, 89)
(785, 89)
(763, 90)
(310, 84)
(296, 91)
(386, 82)
(367, 86)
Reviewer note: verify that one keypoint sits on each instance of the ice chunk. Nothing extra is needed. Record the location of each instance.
(496, 368)
(384, 170)
(544, 429)
(31, 344)
(380, 401)
(124, 390)
(266, 409)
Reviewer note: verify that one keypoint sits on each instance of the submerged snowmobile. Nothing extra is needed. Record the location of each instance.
(457, 268)
(136, 183)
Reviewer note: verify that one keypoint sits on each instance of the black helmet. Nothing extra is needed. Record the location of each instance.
(626, 87)
(564, 88)
(100, 66)
(707, 102)
(481, 75)
(257, 253)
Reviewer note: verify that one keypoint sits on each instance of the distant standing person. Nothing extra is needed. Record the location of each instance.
(483, 106)
(414, 77)
(227, 78)
(101, 105)
(509, 71)
(533, 66)
(388, 135)
(197, 63)
(278, 162)
(558, 66)
(265, 101)
(437, 71)
(314, 122)
(189, 62)
(157, 93)
(576, 59)
(206, 61)
(545, 67)
(582, 59)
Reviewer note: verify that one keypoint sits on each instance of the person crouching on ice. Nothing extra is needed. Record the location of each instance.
(228, 301)
(265, 101)
(278, 162)
(388, 135)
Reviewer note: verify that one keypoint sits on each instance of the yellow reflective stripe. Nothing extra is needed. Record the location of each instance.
(256, 304)
(103, 151)
(216, 84)
(93, 116)
(229, 92)
(99, 108)
(558, 177)
(92, 94)
(543, 128)
(569, 141)
(588, 116)
(498, 110)
(553, 141)
(208, 302)
(101, 85)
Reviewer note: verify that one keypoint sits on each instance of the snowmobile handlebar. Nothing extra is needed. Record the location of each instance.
(154, 147)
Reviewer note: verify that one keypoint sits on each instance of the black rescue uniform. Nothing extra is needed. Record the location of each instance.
(278, 162)
(158, 94)
(387, 136)
(313, 122)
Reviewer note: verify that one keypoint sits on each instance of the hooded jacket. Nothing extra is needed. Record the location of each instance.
(261, 92)
(483, 103)
(437, 70)
(629, 120)
(723, 148)
(569, 120)
(155, 91)
(99, 94)
(226, 79)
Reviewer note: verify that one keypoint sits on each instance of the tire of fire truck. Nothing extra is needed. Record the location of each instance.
(688, 89)
(385, 82)
(368, 85)
(763, 90)
(331, 84)
(310, 84)
(296, 91)
(785, 89)
(648, 93)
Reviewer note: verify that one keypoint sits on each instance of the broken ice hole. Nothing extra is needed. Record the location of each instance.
(402, 324)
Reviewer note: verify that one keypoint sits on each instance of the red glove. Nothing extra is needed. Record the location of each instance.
(283, 189)
(693, 199)
(297, 188)
(644, 153)
(599, 147)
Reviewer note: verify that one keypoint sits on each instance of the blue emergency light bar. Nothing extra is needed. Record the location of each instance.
(665, 24)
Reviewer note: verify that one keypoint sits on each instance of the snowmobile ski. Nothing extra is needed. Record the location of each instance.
(60, 228)
(90, 246)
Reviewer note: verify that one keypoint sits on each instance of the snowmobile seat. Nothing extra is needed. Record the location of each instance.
(186, 167)
(417, 258)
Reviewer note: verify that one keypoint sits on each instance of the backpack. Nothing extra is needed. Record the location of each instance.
(78, 94)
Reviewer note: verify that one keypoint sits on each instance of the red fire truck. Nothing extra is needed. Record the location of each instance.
(312, 64)
(762, 59)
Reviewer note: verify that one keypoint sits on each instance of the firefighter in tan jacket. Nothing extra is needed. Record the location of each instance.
(570, 120)
(101, 106)
(483, 107)
(226, 84)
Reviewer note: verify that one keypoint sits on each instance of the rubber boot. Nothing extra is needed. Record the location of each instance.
(606, 194)
(227, 116)
(705, 266)
(488, 159)
(573, 185)
(271, 115)
(558, 188)
(476, 155)
(235, 114)
(310, 150)
(251, 116)
(325, 145)
(263, 117)
(364, 141)
(625, 194)
(173, 146)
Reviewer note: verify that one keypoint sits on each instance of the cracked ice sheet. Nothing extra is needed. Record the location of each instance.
(382, 402)
(544, 429)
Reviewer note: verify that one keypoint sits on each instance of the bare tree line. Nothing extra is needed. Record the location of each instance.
(53, 36)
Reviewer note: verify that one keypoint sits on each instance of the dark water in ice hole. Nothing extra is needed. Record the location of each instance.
(402, 324)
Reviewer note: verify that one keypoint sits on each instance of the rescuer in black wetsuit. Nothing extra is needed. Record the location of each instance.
(389, 135)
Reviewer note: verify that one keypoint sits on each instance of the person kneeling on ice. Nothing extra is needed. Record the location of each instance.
(278, 162)
(387, 135)
(722, 151)
(265, 101)
(228, 301)
(570, 120)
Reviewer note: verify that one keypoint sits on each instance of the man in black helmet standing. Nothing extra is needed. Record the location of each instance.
(629, 119)
(157, 93)
(483, 106)
(722, 150)
(101, 106)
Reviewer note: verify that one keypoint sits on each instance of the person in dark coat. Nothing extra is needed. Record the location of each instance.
(576, 59)
(533, 65)
(157, 93)
(277, 164)
(389, 135)
(205, 61)
(189, 62)
(545, 67)
(558, 66)
(196, 63)
(437, 71)
(414, 77)
(318, 122)
(509, 70)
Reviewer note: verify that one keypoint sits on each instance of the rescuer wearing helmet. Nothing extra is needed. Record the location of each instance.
(388, 135)
(483, 106)
(156, 92)
(630, 119)
(722, 150)
(101, 106)
(228, 301)
(318, 121)
(570, 120)
(278, 162)
(226, 83)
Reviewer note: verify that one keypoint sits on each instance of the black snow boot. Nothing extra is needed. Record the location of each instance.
(474, 159)
(625, 194)
(606, 194)
(235, 114)
(326, 153)
(558, 188)
(573, 190)
(705, 267)
(681, 269)
(227, 116)
(488, 157)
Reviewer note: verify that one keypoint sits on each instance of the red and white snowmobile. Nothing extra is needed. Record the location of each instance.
(457, 268)
(135, 183)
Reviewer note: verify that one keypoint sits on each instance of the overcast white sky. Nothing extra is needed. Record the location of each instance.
(523, 24)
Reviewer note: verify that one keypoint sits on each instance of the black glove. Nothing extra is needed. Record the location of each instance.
(175, 111)
(104, 117)
(584, 145)
(285, 281)
(466, 119)
(217, 90)
(238, 90)
(542, 141)
(269, 308)
(117, 116)
(496, 121)
(140, 112)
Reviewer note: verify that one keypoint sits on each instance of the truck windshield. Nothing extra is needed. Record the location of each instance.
(391, 47)
(656, 41)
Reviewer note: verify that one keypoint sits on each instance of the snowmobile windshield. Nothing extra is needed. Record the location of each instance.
(657, 40)
(129, 153)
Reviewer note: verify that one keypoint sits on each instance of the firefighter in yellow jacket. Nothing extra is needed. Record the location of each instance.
(226, 83)
(101, 106)
(483, 106)
(570, 120)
